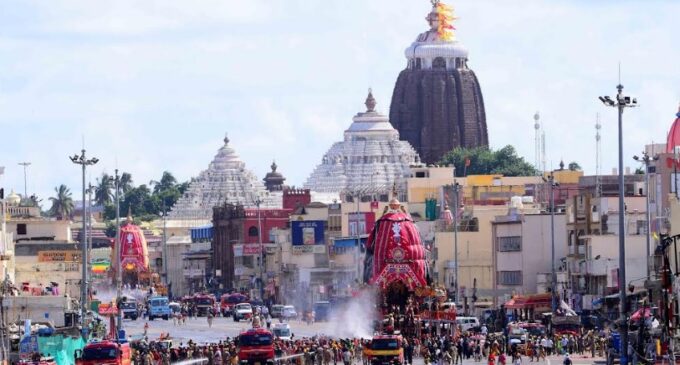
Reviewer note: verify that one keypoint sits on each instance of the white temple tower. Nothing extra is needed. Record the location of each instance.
(371, 159)
(225, 180)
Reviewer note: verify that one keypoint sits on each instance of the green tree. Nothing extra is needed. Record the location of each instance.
(574, 166)
(62, 203)
(482, 160)
(125, 182)
(102, 192)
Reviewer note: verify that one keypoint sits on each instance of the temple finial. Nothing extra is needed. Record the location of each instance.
(370, 101)
(226, 138)
(274, 166)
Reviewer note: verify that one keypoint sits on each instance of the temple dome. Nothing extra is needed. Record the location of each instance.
(370, 158)
(273, 181)
(673, 138)
(13, 198)
(227, 180)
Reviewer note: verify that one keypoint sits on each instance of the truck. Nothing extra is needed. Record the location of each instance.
(255, 347)
(228, 301)
(104, 353)
(129, 308)
(566, 325)
(159, 307)
(204, 303)
(322, 310)
(385, 350)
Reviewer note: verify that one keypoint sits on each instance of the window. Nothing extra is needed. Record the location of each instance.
(21, 228)
(509, 244)
(439, 64)
(509, 277)
(252, 231)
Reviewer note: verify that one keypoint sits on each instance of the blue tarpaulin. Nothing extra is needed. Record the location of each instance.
(347, 242)
(202, 233)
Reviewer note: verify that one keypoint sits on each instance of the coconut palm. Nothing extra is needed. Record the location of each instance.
(125, 182)
(62, 203)
(102, 192)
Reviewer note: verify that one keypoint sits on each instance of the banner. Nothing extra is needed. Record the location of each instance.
(307, 232)
(247, 249)
(59, 256)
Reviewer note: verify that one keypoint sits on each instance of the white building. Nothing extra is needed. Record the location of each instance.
(225, 180)
(369, 161)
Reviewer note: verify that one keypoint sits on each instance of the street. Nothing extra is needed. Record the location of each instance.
(197, 330)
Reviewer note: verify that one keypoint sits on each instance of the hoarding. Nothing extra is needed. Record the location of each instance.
(59, 256)
(247, 249)
(307, 232)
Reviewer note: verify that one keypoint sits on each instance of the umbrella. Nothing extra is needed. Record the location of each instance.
(639, 313)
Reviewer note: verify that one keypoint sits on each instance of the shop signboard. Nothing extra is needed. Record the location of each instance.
(307, 232)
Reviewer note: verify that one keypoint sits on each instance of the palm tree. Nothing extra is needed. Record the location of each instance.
(62, 203)
(125, 182)
(102, 192)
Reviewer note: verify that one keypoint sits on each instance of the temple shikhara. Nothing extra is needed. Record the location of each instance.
(370, 157)
(437, 102)
(227, 180)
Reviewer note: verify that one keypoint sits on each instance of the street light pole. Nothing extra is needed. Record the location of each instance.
(456, 187)
(553, 298)
(621, 103)
(25, 165)
(83, 162)
(119, 266)
(646, 159)
(259, 238)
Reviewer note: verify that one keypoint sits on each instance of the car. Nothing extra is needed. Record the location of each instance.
(282, 331)
(467, 323)
(288, 312)
(276, 310)
(242, 311)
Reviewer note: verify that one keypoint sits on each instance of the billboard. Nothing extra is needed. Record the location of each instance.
(247, 249)
(59, 256)
(360, 223)
(308, 232)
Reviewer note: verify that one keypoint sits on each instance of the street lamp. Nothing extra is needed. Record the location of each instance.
(258, 202)
(553, 279)
(83, 162)
(25, 165)
(456, 188)
(647, 160)
(621, 103)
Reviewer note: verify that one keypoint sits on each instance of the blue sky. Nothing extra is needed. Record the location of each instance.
(154, 85)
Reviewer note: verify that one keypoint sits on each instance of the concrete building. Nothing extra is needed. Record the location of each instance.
(523, 251)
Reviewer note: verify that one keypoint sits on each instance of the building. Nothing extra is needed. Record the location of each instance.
(225, 181)
(368, 163)
(523, 251)
(274, 181)
(437, 101)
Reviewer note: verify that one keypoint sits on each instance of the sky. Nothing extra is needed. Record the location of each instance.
(153, 86)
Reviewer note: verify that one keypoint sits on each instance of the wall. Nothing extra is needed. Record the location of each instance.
(474, 251)
(536, 248)
(176, 246)
(61, 230)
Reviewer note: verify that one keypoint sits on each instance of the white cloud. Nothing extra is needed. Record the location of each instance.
(155, 84)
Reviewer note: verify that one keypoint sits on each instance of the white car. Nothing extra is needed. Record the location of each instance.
(242, 311)
(288, 312)
(282, 331)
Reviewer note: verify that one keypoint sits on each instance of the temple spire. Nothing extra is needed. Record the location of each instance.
(370, 101)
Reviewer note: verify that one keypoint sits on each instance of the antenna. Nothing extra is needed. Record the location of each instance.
(598, 157)
(543, 149)
(537, 142)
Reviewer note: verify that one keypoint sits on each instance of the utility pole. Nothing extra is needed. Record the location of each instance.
(647, 160)
(90, 190)
(259, 238)
(83, 162)
(621, 103)
(25, 165)
(456, 188)
(119, 275)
